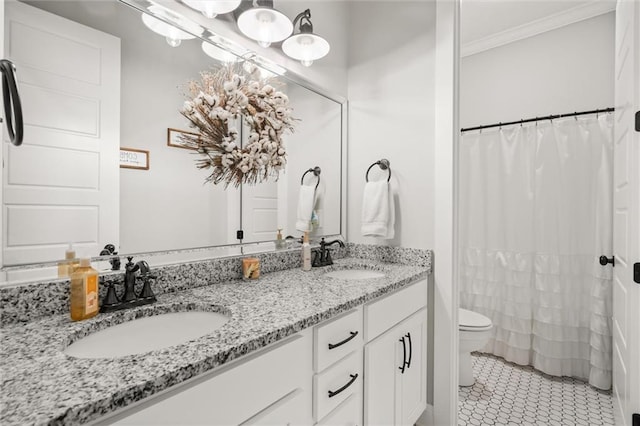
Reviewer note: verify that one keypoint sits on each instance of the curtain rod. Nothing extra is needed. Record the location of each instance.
(547, 117)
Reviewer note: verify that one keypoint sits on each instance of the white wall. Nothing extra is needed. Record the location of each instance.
(565, 70)
(391, 113)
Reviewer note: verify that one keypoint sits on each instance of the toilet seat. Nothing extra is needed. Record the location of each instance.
(472, 321)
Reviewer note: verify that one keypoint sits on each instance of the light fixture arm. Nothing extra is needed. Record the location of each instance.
(305, 21)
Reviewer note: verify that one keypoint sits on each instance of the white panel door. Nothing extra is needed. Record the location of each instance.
(61, 186)
(382, 359)
(260, 211)
(626, 226)
(414, 379)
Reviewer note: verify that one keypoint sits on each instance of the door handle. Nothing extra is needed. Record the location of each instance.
(410, 350)
(352, 334)
(404, 355)
(349, 383)
(604, 260)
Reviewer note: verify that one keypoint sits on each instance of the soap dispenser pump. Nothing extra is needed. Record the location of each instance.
(306, 253)
(280, 244)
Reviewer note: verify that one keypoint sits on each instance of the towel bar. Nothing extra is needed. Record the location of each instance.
(316, 171)
(384, 165)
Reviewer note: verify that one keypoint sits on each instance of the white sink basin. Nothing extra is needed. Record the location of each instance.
(354, 274)
(146, 334)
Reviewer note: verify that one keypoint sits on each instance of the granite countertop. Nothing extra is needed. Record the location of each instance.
(42, 385)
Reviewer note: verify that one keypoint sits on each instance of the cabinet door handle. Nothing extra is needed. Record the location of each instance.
(410, 350)
(404, 355)
(352, 335)
(353, 379)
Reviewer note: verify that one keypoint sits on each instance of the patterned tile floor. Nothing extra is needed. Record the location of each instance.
(509, 394)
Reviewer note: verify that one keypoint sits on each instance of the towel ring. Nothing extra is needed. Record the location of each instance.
(384, 165)
(316, 171)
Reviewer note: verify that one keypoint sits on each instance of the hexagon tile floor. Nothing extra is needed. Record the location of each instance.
(510, 394)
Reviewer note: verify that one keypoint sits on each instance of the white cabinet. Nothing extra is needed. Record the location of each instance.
(272, 385)
(348, 413)
(337, 384)
(369, 361)
(290, 410)
(395, 362)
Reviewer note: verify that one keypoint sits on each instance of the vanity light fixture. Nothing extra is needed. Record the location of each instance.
(156, 23)
(265, 24)
(264, 66)
(212, 8)
(220, 54)
(305, 46)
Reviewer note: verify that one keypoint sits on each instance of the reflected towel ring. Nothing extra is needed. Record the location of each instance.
(316, 171)
(384, 165)
(12, 104)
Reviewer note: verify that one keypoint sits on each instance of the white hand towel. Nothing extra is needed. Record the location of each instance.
(378, 210)
(306, 202)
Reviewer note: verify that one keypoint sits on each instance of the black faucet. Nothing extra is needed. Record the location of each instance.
(130, 281)
(322, 256)
(110, 249)
(129, 298)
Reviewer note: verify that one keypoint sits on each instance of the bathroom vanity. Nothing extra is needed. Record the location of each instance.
(271, 362)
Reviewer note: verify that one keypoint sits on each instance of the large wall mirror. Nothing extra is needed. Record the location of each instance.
(102, 162)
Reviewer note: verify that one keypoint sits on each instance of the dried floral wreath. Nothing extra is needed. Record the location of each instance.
(213, 108)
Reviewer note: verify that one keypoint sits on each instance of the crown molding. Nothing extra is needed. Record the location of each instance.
(539, 26)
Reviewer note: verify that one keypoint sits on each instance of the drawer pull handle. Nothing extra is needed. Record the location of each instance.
(353, 379)
(404, 355)
(410, 350)
(352, 335)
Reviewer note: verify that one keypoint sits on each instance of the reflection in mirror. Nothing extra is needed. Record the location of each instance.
(316, 143)
(95, 79)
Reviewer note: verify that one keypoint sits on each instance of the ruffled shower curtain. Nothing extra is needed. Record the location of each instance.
(535, 215)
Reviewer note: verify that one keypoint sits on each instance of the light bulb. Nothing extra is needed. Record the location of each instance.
(173, 42)
(212, 8)
(264, 25)
(306, 62)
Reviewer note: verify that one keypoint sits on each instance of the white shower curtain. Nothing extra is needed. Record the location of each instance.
(535, 215)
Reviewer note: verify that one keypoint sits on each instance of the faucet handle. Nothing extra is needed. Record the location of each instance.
(317, 258)
(327, 258)
(146, 292)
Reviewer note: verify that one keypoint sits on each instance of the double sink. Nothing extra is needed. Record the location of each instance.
(164, 330)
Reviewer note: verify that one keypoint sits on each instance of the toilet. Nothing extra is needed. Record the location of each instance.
(475, 330)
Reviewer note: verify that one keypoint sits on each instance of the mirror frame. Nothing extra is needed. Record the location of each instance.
(168, 257)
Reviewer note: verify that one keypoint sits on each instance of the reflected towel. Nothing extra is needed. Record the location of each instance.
(306, 202)
(378, 210)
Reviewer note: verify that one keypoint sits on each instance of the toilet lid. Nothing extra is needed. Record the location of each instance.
(470, 319)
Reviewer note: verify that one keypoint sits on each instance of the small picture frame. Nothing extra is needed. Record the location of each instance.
(173, 138)
(131, 158)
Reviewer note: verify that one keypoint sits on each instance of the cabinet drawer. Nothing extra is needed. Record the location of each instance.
(290, 410)
(230, 395)
(336, 384)
(336, 338)
(349, 413)
(383, 314)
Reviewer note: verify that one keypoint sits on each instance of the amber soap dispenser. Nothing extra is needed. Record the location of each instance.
(84, 291)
